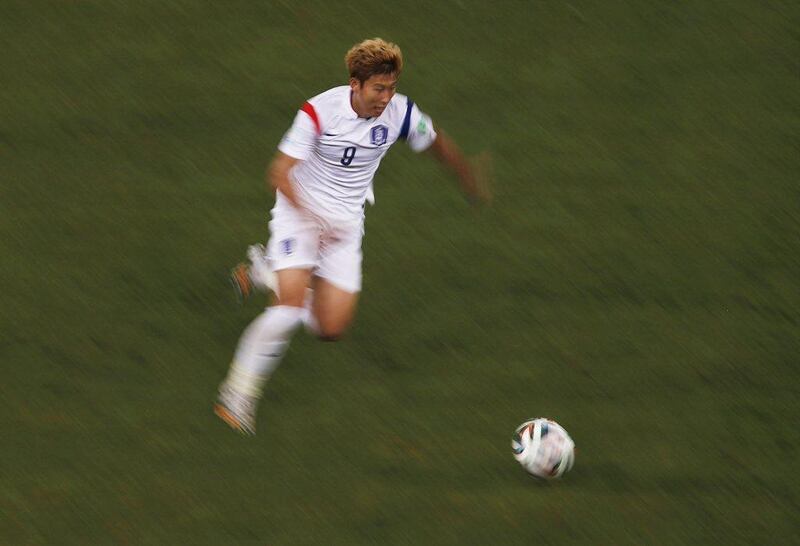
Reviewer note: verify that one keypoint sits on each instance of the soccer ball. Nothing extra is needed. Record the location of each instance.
(543, 448)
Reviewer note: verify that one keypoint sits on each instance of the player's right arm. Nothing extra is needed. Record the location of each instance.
(296, 145)
(278, 176)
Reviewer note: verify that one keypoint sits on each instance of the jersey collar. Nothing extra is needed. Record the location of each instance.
(348, 106)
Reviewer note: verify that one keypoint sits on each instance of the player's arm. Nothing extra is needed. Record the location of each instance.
(296, 145)
(472, 176)
(278, 176)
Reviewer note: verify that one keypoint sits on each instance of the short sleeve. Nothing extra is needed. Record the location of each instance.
(420, 130)
(301, 138)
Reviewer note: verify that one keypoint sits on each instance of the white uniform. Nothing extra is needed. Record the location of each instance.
(339, 154)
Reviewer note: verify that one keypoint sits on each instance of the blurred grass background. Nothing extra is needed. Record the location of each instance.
(636, 277)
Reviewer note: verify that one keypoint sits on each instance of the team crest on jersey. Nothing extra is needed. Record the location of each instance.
(379, 134)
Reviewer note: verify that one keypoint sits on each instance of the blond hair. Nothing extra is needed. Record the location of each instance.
(371, 57)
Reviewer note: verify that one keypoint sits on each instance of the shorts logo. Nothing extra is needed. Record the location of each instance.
(287, 246)
(379, 134)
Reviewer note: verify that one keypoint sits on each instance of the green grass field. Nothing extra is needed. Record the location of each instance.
(637, 277)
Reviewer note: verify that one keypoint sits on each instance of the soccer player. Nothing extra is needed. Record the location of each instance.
(322, 174)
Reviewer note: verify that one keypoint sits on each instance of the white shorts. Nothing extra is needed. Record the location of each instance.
(302, 240)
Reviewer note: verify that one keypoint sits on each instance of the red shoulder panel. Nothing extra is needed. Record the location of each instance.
(308, 109)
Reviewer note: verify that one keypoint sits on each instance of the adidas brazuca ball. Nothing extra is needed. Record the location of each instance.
(543, 448)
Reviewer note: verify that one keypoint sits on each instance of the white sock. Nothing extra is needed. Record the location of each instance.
(261, 348)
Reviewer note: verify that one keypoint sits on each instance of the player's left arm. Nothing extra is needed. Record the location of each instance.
(473, 175)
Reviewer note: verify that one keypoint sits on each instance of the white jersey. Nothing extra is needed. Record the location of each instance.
(340, 151)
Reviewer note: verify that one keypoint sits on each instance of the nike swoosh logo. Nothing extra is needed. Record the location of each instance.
(330, 134)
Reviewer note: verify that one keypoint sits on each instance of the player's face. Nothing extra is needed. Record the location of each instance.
(371, 97)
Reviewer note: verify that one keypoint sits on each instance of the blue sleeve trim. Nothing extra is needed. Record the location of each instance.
(406, 121)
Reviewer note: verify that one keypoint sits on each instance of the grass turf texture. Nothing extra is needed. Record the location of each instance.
(636, 278)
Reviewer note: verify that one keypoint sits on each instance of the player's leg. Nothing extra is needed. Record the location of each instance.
(265, 340)
(260, 349)
(292, 250)
(337, 280)
(333, 308)
(255, 276)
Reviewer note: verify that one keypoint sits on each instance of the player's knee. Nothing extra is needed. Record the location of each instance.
(330, 333)
(330, 336)
(290, 300)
